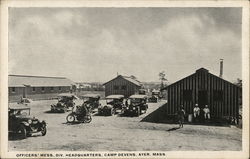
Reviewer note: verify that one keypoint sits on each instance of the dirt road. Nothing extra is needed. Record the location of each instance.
(116, 133)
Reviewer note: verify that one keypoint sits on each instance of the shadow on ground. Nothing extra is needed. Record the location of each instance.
(160, 116)
(15, 136)
(51, 112)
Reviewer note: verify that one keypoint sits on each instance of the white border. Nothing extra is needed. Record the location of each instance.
(112, 3)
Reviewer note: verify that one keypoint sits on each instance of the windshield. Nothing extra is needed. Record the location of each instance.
(135, 100)
(20, 112)
(85, 99)
(110, 101)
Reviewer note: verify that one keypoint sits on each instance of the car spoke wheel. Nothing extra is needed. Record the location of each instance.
(22, 132)
(44, 131)
(70, 118)
(112, 111)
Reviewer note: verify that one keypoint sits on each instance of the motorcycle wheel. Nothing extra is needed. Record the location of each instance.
(22, 131)
(87, 119)
(44, 131)
(70, 118)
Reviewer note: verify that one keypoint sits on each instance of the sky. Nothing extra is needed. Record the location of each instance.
(96, 44)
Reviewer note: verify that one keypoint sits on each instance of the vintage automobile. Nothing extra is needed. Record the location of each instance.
(137, 104)
(91, 101)
(21, 123)
(65, 102)
(113, 104)
(24, 101)
(155, 96)
(142, 91)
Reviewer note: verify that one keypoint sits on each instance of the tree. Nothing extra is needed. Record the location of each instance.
(162, 78)
(239, 82)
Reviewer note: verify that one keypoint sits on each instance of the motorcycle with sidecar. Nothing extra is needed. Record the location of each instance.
(79, 113)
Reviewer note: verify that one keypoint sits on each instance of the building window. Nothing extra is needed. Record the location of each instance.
(218, 95)
(52, 88)
(116, 87)
(60, 88)
(13, 89)
(124, 87)
(187, 95)
(43, 89)
(33, 89)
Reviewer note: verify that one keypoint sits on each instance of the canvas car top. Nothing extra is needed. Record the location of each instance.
(18, 106)
(138, 96)
(115, 97)
(156, 91)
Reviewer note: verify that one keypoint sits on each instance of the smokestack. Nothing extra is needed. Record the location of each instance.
(221, 68)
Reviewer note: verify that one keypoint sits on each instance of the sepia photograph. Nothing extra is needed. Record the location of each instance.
(125, 82)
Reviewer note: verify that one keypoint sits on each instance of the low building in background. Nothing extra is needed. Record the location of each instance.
(122, 85)
(37, 87)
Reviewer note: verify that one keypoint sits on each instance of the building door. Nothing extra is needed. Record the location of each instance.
(202, 98)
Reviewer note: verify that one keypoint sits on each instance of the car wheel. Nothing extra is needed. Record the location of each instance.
(44, 131)
(22, 131)
(70, 118)
(112, 111)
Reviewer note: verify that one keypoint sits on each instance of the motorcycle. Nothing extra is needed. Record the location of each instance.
(79, 116)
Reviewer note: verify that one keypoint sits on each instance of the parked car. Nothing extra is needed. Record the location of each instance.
(24, 101)
(65, 103)
(91, 101)
(155, 96)
(113, 104)
(142, 91)
(21, 123)
(137, 104)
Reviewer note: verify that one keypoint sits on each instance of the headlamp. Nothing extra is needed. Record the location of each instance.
(30, 121)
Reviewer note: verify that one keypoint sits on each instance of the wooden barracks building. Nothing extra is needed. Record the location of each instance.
(122, 85)
(204, 88)
(37, 87)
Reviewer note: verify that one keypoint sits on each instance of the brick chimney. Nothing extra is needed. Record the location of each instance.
(221, 68)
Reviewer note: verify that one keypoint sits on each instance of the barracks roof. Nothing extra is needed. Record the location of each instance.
(38, 81)
(134, 81)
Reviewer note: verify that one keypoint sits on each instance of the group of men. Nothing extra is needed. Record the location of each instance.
(196, 114)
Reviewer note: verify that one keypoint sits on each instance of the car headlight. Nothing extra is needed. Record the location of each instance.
(30, 121)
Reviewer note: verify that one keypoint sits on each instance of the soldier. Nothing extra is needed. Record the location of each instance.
(196, 112)
(181, 114)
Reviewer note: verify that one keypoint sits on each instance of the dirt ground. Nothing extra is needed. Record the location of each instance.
(117, 133)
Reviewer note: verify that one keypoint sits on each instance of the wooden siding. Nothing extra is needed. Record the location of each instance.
(119, 82)
(37, 94)
(204, 82)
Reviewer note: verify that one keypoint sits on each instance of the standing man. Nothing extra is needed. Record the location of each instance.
(196, 112)
(181, 115)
